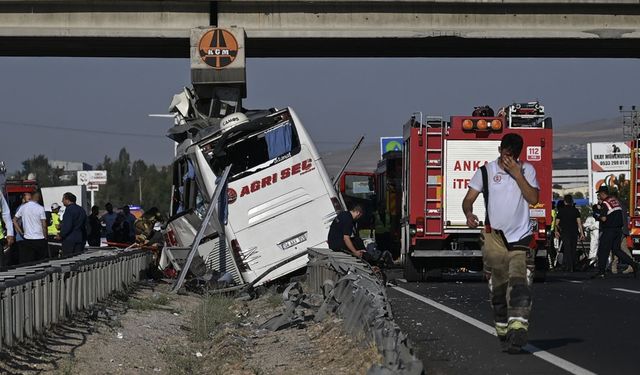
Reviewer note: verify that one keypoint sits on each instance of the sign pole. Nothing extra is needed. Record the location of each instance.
(92, 199)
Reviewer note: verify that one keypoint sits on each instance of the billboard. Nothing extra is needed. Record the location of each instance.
(609, 164)
(609, 156)
(92, 177)
(615, 181)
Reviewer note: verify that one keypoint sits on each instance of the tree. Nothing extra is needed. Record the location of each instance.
(127, 182)
(44, 173)
(134, 183)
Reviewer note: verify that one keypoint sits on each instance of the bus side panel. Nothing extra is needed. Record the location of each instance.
(305, 142)
(287, 202)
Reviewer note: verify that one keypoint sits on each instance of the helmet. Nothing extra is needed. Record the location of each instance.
(232, 120)
(55, 206)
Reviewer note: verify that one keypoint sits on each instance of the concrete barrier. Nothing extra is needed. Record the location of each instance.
(352, 291)
(35, 297)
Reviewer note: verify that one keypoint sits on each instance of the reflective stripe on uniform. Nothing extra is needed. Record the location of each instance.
(518, 323)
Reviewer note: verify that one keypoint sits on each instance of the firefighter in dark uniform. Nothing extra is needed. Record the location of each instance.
(611, 222)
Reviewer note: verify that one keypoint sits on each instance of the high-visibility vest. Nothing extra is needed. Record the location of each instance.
(52, 229)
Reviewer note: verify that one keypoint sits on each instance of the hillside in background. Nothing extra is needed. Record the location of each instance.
(569, 147)
(365, 159)
(570, 141)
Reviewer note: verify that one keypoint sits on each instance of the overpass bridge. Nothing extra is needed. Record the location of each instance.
(329, 28)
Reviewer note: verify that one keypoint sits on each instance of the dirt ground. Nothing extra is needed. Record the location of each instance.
(150, 331)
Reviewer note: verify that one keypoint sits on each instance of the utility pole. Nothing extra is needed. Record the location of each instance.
(140, 191)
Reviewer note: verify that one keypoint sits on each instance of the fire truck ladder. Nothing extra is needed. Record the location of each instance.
(433, 221)
(635, 154)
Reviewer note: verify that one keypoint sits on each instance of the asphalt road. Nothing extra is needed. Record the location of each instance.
(577, 326)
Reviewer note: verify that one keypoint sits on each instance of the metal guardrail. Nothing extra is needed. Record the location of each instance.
(353, 292)
(36, 297)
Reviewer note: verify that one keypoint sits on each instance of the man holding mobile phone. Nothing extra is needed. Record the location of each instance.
(507, 252)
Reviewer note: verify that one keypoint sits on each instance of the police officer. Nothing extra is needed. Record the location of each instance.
(611, 222)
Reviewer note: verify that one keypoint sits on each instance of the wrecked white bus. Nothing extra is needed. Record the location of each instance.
(280, 200)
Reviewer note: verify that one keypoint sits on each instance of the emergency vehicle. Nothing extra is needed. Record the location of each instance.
(380, 193)
(633, 241)
(439, 159)
(14, 189)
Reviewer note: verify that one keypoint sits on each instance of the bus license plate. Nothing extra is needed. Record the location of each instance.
(293, 241)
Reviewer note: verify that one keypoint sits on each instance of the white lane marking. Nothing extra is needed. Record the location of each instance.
(554, 360)
(402, 280)
(572, 281)
(627, 290)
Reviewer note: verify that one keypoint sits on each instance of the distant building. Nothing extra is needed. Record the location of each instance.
(70, 168)
(570, 181)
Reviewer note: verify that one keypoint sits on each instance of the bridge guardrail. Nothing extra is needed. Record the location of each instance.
(35, 297)
(353, 292)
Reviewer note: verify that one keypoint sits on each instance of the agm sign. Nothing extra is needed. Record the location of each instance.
(218, 48)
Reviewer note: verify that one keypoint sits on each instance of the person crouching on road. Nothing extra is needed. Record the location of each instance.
(73, 230)
(509, 187)
(342, 229)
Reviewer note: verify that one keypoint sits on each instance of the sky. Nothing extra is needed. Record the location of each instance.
(44, 99)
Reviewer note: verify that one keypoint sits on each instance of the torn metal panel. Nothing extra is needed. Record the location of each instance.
(210, 210)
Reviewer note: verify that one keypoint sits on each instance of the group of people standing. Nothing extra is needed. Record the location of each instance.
(28, 232)
(608, 228)
(120, 227)
(123, 228)
(26, 237)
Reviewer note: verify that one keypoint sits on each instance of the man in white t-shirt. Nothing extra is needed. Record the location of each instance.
(507, 239)
(31, 215)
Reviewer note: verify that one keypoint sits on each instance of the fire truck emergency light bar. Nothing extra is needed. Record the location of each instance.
(481, 125)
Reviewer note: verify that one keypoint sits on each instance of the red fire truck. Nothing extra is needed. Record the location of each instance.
(380, 194)
(14, 190)
(633, 241)
(439, 159)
